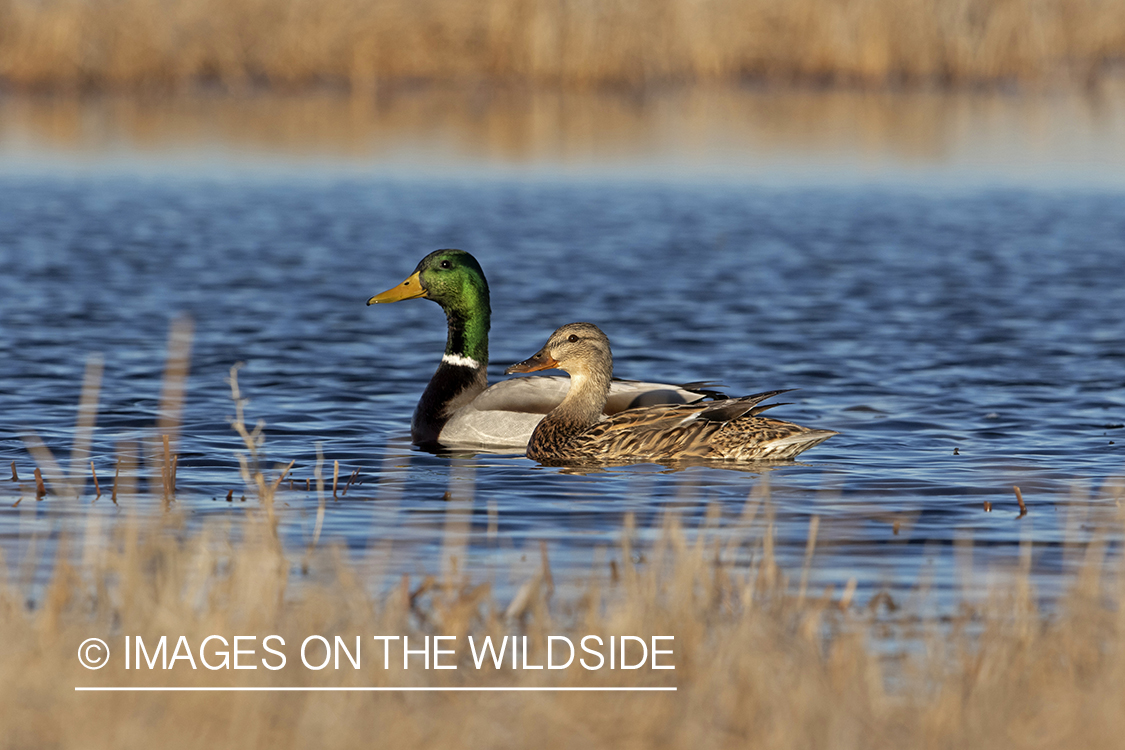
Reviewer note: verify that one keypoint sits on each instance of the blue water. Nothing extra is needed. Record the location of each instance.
(962, 341)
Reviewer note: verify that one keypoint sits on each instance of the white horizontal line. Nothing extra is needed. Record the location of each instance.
(457, 359)
(284, 689)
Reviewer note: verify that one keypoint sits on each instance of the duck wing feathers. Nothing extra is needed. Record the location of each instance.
(729, 429)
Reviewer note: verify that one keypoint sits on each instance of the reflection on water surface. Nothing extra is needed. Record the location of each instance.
(763, 135)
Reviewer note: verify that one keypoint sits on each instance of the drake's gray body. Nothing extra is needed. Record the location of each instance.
(505, 414)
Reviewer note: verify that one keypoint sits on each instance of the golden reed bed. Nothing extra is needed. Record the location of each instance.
(128, 44)
(758, 663)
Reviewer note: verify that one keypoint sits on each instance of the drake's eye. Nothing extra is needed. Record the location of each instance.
(446, 264)
(572, 338)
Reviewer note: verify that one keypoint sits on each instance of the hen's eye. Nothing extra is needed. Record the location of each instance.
(573, 338)
(446, 264)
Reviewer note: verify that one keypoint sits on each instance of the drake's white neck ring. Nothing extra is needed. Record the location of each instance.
(458, 360)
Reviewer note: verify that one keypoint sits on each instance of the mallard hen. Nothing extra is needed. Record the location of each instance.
(576, 430)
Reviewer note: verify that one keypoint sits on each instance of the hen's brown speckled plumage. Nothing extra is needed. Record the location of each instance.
(689, 431)
(576, 431)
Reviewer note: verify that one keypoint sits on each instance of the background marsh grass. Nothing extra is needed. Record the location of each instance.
(127, 44)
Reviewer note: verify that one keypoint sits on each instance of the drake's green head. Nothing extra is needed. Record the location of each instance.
(452, 278)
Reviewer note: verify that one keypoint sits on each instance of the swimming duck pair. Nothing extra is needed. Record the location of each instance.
(590, 417)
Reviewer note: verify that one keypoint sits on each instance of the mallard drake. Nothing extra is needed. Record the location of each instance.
(577, 431)
(458, 407)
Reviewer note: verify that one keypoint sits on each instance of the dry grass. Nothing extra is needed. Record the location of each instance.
(757, 665)
(75, 44)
